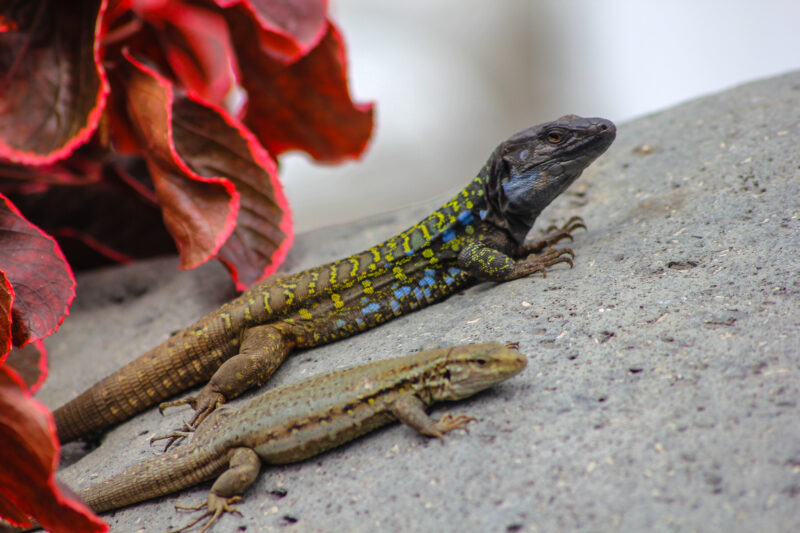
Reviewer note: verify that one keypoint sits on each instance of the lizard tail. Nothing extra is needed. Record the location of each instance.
(154, 377)
(157, 476)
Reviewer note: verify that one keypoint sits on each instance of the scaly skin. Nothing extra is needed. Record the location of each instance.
(298, 421)
(478, 235)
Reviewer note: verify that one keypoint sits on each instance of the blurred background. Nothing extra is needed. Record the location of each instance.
(452, 78)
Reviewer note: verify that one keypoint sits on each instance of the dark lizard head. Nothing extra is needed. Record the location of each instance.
(527, 171)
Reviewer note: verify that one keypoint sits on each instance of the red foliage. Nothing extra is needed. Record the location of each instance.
(43, 286)
(28, 460)
(53, 87)
(30, 364)
(6, 300)
(286, 59)
(287, 113)
(122, 136)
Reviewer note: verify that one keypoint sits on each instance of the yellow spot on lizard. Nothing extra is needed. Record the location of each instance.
(367, 284)
(399, 274)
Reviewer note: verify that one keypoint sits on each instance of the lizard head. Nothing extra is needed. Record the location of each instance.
(527, 171)
(474, 367)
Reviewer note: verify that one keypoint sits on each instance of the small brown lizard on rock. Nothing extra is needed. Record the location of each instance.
(297, 421)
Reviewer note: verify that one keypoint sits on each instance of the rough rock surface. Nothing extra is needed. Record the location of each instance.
(664, 379)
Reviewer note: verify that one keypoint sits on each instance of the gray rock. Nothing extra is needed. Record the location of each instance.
(662, 393)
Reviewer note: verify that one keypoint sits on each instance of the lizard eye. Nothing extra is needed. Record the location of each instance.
(554, 136)
(481, 361)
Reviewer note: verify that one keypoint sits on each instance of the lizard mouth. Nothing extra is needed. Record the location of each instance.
(596, 139)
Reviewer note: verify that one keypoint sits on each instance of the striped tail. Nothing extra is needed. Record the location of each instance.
(157, 476)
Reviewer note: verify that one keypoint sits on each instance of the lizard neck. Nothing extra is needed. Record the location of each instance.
(441, 225)
(516, 223)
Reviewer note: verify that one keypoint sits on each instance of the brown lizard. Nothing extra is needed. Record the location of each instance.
(297, 421)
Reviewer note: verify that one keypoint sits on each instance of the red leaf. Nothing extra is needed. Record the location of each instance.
(75, 170)
(30, 364)
(28, 460)
(42, 280)
(6, 301)
(289, 29)
(304, 106)
(116, 219)
(212, 142)
(52, 87)
(199, 211)
(196, 45)
(10, 513)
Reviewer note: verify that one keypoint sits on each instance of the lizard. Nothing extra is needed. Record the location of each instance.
(300, 420)
(479, 235)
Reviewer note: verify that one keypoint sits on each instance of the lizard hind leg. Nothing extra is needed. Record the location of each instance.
(262, 351)
(242, 471)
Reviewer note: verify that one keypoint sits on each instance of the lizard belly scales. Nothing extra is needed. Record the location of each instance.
(478, 235)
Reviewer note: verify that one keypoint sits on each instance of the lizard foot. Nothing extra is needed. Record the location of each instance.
(214, 507)
(175, 436)
(203, 403)
(449, 422)
(554, 234)
(539, 263)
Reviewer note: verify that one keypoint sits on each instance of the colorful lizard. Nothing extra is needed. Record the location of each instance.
(478, 235)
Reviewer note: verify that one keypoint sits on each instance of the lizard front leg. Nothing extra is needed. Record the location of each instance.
(263, 349)
(410, 410)
(489, 264)
(242, 471)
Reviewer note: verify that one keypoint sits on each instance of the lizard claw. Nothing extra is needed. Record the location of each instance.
(549, 257)
(449, 422)
(191, 401)
(175, 436)
(555, 234)
(215, 506)
(204, 403)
